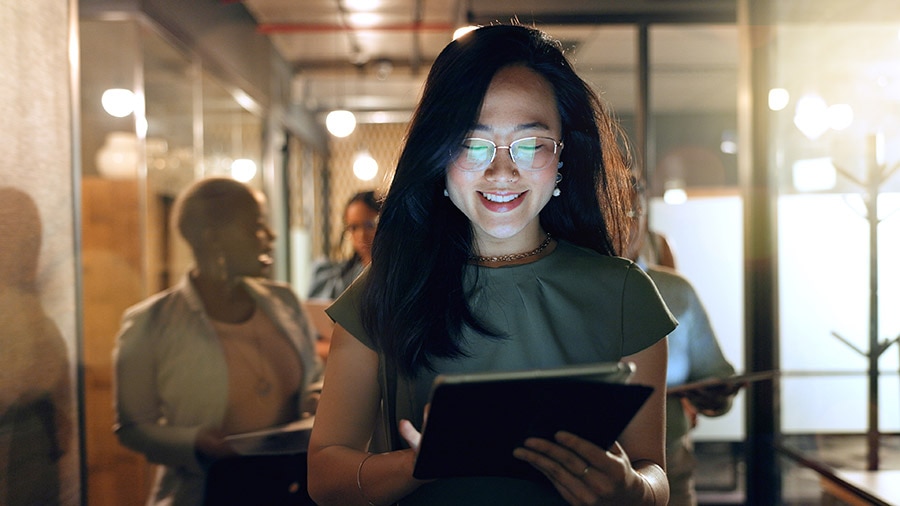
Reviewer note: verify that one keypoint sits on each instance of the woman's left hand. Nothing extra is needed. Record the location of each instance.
(582, 472)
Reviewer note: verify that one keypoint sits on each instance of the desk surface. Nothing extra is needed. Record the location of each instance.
(883, 484)
(851, 485)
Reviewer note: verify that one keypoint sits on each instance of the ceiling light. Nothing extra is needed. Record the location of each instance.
(364, 19)
(243, 170)
(118, 102)
(810, 116)
(778, 98)
(340, 123)
(365, 167)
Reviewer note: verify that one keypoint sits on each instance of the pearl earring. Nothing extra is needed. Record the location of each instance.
(556, 191)
(446, 193)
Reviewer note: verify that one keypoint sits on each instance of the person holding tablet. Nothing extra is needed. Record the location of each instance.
(495, 251)
(694, 354)
(224, 351)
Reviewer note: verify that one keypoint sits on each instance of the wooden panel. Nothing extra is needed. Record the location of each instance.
(113, 280)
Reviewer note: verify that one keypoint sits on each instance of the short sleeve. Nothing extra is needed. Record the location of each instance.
(645, 317)
(345, 311)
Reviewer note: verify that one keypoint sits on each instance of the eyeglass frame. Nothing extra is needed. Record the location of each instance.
(367, 226)
(558, 146)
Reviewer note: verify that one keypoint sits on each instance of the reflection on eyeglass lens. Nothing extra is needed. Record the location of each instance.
(529, 153)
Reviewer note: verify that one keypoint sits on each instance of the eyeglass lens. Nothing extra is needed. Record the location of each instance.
(530, 153)
(367, 226)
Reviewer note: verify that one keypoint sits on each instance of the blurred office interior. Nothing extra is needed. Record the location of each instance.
(768, 132)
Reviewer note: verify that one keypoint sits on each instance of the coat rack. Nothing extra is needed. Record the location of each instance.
(878, 173)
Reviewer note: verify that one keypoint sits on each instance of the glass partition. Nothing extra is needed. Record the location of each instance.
(175, 122)
(692, 184)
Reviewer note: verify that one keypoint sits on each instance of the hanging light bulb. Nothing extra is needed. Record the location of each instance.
(365, 167)
(340, 123)
(118, 102)
(243, 170)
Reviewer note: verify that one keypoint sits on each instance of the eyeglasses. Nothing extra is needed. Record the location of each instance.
(529, 153)
(367, 226)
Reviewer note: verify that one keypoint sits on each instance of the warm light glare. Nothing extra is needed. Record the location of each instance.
(778, 98)
(364, 19)
(340, 123)
(118, 102)
(728, 147)
(362, 5)
(365, 167)
(840, 116)
(811, 116)
(675, 196)
(459, 32)
(814, 174)
(243, 169)
(729, 144)
(245, 100)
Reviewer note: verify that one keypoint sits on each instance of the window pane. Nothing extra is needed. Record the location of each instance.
(835, 65)
(692, 181)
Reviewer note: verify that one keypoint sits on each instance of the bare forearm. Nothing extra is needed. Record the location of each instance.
(346, 477)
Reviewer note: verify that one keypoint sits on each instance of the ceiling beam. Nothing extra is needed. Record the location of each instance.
(286, 28)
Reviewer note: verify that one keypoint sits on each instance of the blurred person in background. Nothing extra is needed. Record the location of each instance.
(360, 221)
(694, 353)
(225, 351)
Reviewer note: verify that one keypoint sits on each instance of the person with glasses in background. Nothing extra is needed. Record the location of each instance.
(496, 251)
(330, 279)
(360, 220)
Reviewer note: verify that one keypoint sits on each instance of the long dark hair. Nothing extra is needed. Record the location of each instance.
(414, 305)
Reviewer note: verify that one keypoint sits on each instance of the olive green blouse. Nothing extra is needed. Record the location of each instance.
(573, 306)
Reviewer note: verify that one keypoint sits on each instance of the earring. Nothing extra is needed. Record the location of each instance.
(221, 267)
(556, 191)
(559, 165)
(446, 193)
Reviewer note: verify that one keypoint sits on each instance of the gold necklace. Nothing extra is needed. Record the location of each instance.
(513, 257)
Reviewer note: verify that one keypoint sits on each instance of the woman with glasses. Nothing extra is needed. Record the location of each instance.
(360, 220)
(495, 252)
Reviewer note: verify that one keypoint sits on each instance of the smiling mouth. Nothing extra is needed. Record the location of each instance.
(265, 258)
(500, 199)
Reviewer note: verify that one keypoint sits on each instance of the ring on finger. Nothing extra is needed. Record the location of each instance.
(586, 469)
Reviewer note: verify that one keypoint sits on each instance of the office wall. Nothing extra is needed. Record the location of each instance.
(39, 445)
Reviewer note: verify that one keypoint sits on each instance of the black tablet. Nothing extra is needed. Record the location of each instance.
(475, 421)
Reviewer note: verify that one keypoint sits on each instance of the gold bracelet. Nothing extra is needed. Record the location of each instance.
(359, 478)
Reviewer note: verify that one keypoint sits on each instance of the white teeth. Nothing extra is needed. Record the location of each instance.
(501, 198)
(265, 259)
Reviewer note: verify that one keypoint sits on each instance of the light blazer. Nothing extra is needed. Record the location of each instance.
(171, 377)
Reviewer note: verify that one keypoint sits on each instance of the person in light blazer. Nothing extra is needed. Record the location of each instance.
(225, 351)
